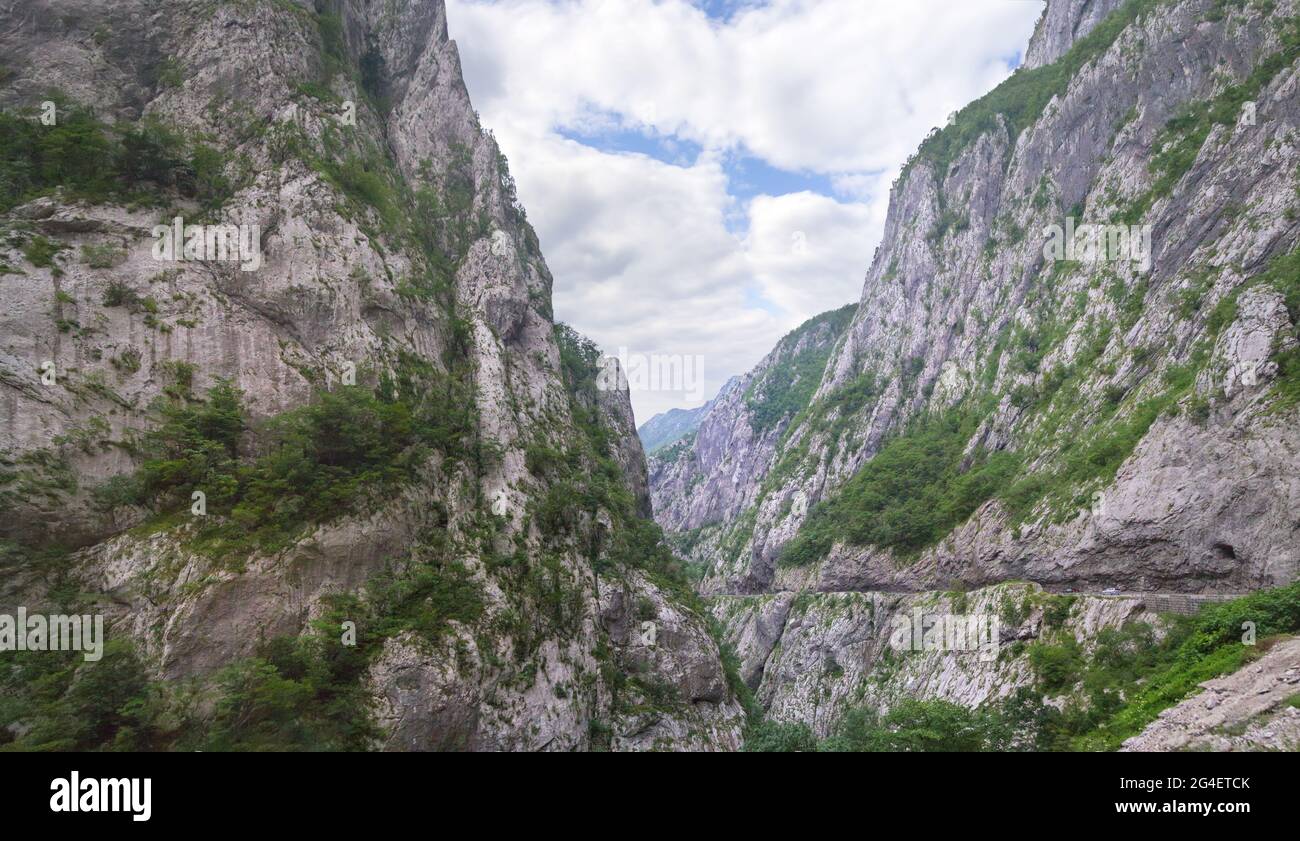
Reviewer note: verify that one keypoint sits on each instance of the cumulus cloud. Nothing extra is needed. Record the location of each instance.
(810, 252)
(654, 244)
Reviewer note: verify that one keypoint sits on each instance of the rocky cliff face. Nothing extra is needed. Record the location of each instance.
(496, 565)
(999, 410)
(812, 656)
(713, 475)
(1149, 412)
(1064, 22)
(1256, 708)
(675, 424)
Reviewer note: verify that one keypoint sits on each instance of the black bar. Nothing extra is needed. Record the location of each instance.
(208, 791)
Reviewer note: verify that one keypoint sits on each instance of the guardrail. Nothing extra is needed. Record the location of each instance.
(1187, 604)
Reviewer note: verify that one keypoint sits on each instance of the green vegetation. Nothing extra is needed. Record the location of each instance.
(1020, 100)
(1129, 677)
(306, 466)
(780, 737)
(38, 480)
(97, 162)
(1109, 694)
(434, 218)
(587, 484)
(320, 458)
(787, 388)
(919, 727)
(72, 705)
(588, 479)
(287, 703)
(102, 256)
(1288, 381)
(40, 252)
(368, 74)
(169, 73)
(1179, 143)
(307, 693)
(300, 694)
(949, 221)
(119, 294)
(295, 694)
(912, 493)
(1090, 459)
(128, 361)
(265, 482)
(911, 726)
(1283, 274)
(1057, 667)
(1192, 297)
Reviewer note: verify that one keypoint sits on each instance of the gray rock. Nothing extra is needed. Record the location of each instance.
(1245, 710)
(832, 651)
(1064, 22)
(334, 292)
(1204, 501)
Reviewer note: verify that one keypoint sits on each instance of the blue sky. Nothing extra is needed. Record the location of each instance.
(706, 175)
(723, 10)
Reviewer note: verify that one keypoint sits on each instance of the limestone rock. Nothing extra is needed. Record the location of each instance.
(1249, 710)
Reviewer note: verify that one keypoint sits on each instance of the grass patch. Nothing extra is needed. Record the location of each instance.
(912, 493)
(40, 252)
(787, 388)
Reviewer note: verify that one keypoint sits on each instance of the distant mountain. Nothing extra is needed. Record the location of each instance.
(691, 482)
(675, 424)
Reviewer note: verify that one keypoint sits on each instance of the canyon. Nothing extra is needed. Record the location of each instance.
(359, 490)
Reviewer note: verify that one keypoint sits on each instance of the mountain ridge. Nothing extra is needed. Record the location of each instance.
(907, 314)
(668, 427)
(990, 415)
(366, 496)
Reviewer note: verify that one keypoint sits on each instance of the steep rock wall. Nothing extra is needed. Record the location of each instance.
(1149, 406)
(393, 250)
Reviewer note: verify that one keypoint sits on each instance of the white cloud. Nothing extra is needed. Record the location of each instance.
(810, 252)
(648, 262)
(643, 251)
